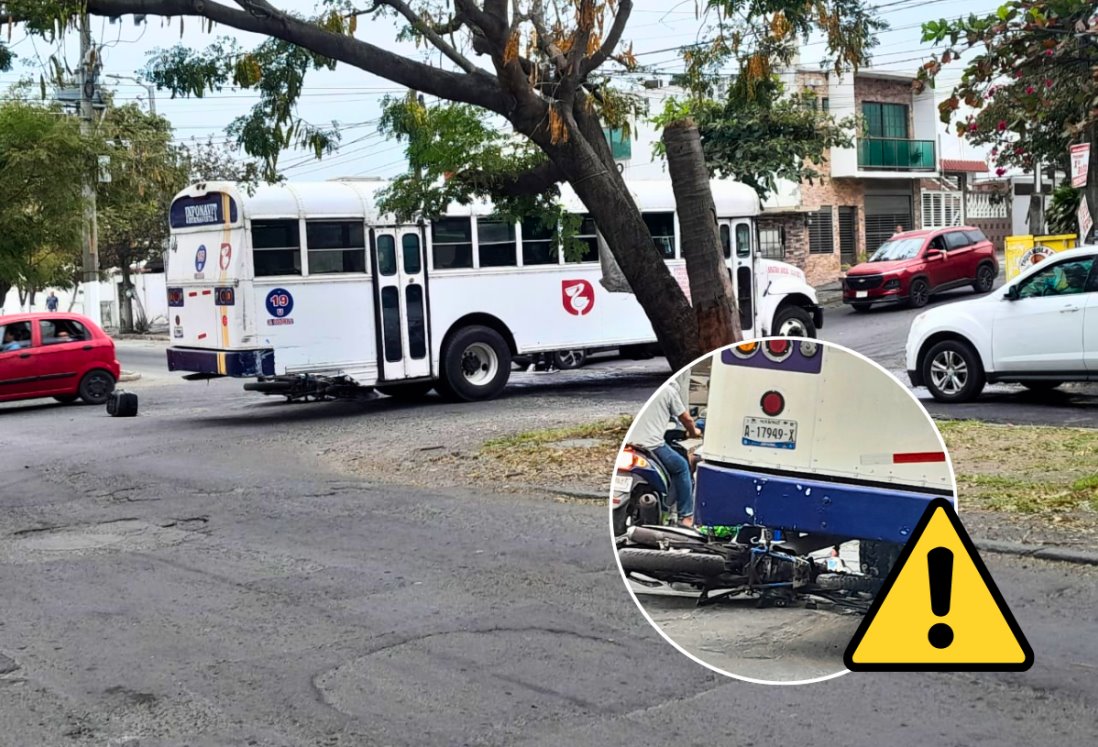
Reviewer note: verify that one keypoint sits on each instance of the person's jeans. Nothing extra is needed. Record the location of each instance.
(681, 488)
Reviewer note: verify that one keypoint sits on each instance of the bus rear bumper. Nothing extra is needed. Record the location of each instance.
(727, 496)
(237, 363)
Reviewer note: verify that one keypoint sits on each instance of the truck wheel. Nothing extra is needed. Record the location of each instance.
(567, 359)
(96, 386)
(407, 392)
(793, 321)
(952, 372)
(476, 364)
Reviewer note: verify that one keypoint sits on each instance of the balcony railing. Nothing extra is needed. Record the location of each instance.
(896, 154)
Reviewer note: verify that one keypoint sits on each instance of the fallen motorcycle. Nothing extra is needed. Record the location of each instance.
(752, 563)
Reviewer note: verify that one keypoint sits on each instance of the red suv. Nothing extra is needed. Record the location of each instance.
(912, 265)
(63, 356)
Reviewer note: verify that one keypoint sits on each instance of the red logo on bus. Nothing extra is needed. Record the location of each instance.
(578, 296)
(226, 255)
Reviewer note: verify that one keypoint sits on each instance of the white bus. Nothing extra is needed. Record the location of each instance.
(306, 288)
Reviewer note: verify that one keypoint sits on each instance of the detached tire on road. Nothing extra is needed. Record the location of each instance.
(793, 321)
(96, 386)
(667, 562)
(952, 371)
(569, 359)
(476, 364)
(848, 582)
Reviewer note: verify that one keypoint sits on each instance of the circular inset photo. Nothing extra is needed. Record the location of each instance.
(761, 497)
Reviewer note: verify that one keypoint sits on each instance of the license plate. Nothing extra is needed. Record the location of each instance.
(622, 483)
(861, 294)
(771, 433)
(178, 332)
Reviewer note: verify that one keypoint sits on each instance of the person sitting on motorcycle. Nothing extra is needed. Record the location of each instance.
(648, 433)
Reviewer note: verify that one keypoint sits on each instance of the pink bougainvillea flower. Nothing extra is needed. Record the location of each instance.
(994, 151)
(973, 127)
(1002, 125)
(1048, 53)
(1000, 171)
(1030, 90)
(1048, 82)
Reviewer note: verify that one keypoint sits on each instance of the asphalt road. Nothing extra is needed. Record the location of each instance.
(881, 333)
(201, 575)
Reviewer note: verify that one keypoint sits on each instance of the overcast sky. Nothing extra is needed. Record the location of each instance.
(352, 97)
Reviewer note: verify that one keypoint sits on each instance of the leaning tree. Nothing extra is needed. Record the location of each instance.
(535, 63)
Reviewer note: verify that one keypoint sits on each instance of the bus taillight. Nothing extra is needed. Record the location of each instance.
(778, 350)
(745, 349)
(772, 403)
(175, 296)
(224, 297)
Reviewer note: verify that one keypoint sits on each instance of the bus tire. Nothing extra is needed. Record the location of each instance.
(407, 392)
(793, 321)
(476, 364)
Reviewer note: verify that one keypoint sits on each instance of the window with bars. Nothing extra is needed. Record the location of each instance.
(821, 236)
(772, 243)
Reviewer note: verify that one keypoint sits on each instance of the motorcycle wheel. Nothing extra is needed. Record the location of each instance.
(662, 562)
(848, 582)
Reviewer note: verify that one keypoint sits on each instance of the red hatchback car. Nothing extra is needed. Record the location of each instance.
(911, 266)
(63, 356)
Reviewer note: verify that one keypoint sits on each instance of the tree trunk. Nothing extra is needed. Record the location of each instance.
(125, 300)
(711, 292)
(5, 288)
(603, 192)
(1090, 193)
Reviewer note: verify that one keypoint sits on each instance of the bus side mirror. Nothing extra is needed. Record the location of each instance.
(1011, 293)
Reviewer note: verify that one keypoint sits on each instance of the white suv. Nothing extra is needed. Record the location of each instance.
(1040, 330)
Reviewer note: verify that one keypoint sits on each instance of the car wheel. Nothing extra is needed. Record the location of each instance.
(566, 359)
(1041, 386)
(920, 293)
(985, 278)
(952, 372)
(861, 307)
(67, 399)
(96, 386)
(476, 364)
(793, 321)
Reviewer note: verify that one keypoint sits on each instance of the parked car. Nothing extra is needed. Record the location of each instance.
(1040, 331)
(912, 266)
(64, 356)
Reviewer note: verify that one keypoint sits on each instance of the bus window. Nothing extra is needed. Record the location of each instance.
(452, 243)
(409, 243)
(386, 254)
(726, 241)
(743, 240)
(539, 242)
(417, 326)
(587, 234)
(496, 242)
(390, 322)
(662, 228)
(276, 246)
(335, 246)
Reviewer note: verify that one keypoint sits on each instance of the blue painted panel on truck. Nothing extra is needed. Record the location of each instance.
(239, 363)
(730, 496)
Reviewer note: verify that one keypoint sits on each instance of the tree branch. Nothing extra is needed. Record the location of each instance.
(625, 8)
(433, 36)
(525, 184)
(478, 87)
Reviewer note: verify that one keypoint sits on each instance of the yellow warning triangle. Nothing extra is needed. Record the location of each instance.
(939, 609)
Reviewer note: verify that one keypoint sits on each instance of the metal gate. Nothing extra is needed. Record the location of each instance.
(882, 214)
(848, 235)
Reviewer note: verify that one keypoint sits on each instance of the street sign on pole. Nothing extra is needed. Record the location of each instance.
(1080, 160)
(1085, 222)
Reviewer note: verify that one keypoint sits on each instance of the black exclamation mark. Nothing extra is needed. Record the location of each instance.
(939, 563)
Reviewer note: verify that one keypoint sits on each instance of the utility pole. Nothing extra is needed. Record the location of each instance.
(88, 74)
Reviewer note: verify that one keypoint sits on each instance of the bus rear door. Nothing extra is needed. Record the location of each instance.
(400, 298)
(736, 238)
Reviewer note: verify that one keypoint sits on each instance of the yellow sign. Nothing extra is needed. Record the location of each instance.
(939, 610)
(1022, 252)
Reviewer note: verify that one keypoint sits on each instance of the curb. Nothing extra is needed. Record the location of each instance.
(129, 376)
(154, 338)
(1041, 552)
